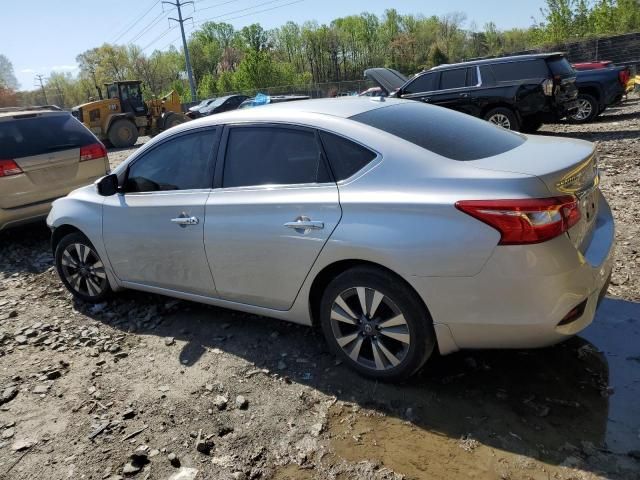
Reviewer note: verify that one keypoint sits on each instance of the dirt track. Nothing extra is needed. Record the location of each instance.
(90, 392)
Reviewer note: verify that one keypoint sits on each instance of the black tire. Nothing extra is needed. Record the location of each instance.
(503, 117)
(398, 300)
(85, 278)
(588, 109)
(172, 119)
(530, 125)
(123, 133)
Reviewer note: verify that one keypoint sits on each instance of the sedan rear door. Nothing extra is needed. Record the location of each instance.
(274, 209)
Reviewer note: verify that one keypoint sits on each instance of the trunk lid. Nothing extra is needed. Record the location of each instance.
(565, 166)
(388, 79)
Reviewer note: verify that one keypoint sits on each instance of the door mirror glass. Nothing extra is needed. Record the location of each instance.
(108, 185)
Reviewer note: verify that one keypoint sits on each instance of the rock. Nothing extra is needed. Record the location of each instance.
(164, 388)
(316, 429)
(114, 348)
(130, 469)
(204, 445)
(8, 433)
(169, 341)
(242, 403)
(128, 414)
(40, 389)
(173, 459)
(239, 476)
(220, 402)
(184, 474)
(8, 394)
(21, 339)
(20, 445)
(121, 355)
(54, 374)
(154, 452)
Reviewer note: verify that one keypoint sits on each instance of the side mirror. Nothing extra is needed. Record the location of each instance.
(108, 185)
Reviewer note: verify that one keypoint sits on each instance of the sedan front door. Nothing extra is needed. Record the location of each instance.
(153, 232)
(274, 211)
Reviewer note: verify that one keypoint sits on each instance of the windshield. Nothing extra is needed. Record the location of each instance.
(451, 134)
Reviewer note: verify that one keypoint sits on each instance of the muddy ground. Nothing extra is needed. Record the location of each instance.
(152, 388)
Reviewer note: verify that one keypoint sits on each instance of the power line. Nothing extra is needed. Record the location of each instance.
(135, 22)
(153, 23)
(250, 13)
(216, 5)
(162, 35)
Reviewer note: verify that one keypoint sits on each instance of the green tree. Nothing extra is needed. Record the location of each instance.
(7, 76)
(436, 57)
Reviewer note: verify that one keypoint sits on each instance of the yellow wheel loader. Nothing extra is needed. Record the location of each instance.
(124, 115)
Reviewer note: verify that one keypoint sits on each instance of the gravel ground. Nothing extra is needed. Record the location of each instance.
(153, 388)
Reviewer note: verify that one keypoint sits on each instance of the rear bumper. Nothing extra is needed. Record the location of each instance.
(13, 217)
(523, 293)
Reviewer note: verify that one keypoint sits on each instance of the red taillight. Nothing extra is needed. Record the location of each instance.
(525, 221)
(93, 151)
(8, 168)
(623, 76)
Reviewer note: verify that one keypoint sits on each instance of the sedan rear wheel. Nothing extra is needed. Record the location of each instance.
(376, 324)
(81, 269)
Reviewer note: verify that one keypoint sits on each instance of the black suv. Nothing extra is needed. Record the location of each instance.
(518, 93)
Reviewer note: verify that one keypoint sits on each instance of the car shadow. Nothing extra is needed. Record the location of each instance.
(608, 135)
(579, 396)
(26, 248)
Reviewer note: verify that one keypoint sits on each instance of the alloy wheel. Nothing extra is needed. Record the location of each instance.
(370, 328)
(501, 120)
(583, 111)
(83, 270)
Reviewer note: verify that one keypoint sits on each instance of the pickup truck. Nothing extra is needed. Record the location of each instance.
(597, 89)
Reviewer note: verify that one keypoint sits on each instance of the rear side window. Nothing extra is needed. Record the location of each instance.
(272, 156)
(423, 83)
(30, 134)
(451, 134)
(345, 156)
(453, 78)
(560, 66)
(181, 163)
(520, 70)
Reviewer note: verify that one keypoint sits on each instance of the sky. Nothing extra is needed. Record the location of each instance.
(40, 36)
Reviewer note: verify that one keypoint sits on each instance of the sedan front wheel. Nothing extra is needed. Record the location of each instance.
(376, 324)
(81, 269)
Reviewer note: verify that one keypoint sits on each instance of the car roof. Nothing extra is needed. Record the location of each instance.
(342, 107)
(491, 61)
(10, 112)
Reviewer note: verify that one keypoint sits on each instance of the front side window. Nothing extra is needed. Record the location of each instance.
(423, 83)
(272, 156)
(182, 163)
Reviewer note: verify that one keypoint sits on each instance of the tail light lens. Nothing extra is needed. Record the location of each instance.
(547, 87)
(9, 168)
(528, 221)
(92, 152)
(623, 76)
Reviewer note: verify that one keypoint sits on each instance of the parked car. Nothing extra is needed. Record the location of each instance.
(517, 93)
(597, 89)
(222, 104)
(261, 100)
(194, 112)
(372, 92)
(44, 154)
(349, 214)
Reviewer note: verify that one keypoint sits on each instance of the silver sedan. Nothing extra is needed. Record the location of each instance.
(397, 227)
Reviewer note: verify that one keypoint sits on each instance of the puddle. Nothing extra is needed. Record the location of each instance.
(509, 414)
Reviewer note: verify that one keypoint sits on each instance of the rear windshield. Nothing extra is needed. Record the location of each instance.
(560, 66)
(26, 134)
(442, 131)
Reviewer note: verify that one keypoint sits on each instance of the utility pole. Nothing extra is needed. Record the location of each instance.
(44, 92)
(178, 4)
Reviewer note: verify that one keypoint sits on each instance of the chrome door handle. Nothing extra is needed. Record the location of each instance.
(183, 221)
(304, 225)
